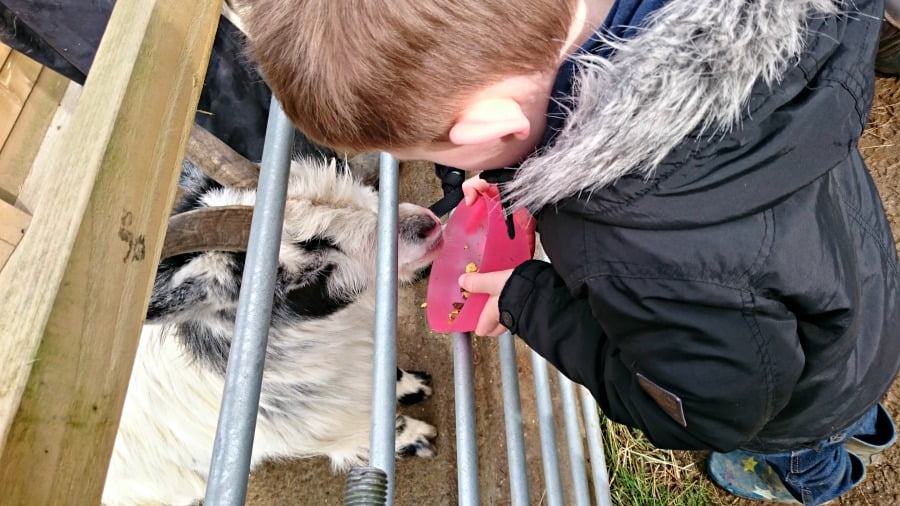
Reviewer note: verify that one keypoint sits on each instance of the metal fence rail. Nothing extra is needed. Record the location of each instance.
(512, 417)
(576, 446)
(372, 485)
(230, 464)
(384, 370)
(599, 473)
(466, 447)
(546, 418)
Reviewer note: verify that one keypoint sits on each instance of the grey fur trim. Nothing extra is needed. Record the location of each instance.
(693, 66)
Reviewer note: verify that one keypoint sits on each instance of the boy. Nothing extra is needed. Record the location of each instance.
(723, 273)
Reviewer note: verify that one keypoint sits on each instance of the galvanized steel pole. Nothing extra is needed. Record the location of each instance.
(230, 464)
(512, 417)
(384, 382)
(576, 444)
(549, 456)
(466, 445)
(595, 447)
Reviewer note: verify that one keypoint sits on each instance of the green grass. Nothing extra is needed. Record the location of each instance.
(642, 475)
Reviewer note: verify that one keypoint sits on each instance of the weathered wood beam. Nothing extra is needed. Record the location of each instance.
(4, 53)
(13, 223)
(75, 289)
(17, 78)
(24, 140)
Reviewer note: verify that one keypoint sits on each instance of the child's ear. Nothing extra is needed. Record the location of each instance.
(490, 119)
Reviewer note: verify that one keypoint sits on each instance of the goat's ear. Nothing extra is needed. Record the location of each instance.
(193, 185)
(170, 298)
(165, 303)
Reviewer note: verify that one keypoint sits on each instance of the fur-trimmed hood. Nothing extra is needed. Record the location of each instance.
(704, 84)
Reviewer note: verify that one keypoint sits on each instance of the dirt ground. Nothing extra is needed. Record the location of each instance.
(433, 481)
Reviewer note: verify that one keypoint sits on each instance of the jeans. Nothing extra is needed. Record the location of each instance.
(821, 473)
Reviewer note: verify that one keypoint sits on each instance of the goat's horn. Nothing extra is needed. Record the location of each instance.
(225, 228)
(219, 161)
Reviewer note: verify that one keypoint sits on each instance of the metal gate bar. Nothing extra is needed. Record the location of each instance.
(230, 465)
(512, 416)
(466, 444)
(599, 474)
(576, 444)
(384, 395)
(552, 481)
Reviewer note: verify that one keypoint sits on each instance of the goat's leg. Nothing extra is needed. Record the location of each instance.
(413, 437)
(412, 386)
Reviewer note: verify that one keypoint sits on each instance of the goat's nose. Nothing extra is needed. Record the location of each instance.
(419, 227)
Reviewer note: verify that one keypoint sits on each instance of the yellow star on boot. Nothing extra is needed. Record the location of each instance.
(749, 464)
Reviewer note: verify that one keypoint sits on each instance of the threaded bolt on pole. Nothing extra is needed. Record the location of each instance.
(366, 486)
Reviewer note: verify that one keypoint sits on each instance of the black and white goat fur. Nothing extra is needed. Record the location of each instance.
(316, 392)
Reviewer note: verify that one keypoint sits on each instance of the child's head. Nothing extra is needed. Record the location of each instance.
(401, 75)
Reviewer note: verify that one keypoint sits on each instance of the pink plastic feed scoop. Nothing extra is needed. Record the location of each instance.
(475, 236)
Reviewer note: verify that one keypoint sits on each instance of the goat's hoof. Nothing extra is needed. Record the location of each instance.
(413, 386)
(413, 438)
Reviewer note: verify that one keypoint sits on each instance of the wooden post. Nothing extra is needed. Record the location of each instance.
(18, 75)
(32, 122)
(13, 223)
(74, 291)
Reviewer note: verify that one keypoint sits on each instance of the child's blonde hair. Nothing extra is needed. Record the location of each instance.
(381, 74)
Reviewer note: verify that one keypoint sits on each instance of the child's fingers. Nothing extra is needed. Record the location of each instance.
(489, 321)
(469, 195)
(491, 283)
(473, 187)
(485, 282)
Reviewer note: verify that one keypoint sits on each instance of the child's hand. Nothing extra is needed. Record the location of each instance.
(491, 283)
(475, 187)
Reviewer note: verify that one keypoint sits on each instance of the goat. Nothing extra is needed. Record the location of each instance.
(316, 391)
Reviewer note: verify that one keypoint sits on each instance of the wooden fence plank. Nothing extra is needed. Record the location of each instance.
(75, 289)
(13, 223)
(17, 78)
(18, 153)
(4, 53)
(37, 178)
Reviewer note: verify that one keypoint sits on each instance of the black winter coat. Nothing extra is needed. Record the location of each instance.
(745, 294)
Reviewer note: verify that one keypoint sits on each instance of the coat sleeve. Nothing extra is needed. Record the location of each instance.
(694, 365)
